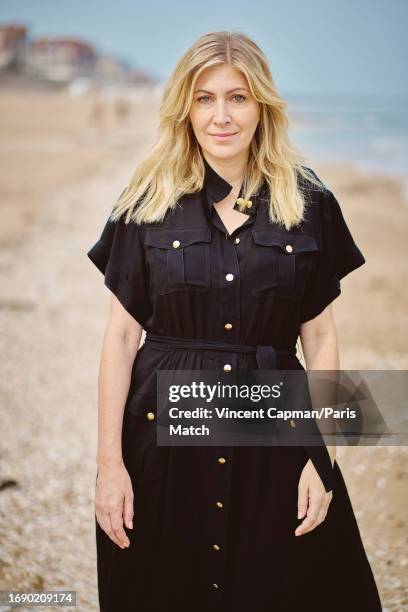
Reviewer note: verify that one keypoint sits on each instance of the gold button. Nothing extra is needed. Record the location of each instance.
(229, 277)
(150, 416)
(292, 423)
(176, 243)
(216, 547)
(289, 248)
(236, 241)
(249, 204)
(220, 505)
(228, 326)
(215, 585)
(221, 460)
(227, 367)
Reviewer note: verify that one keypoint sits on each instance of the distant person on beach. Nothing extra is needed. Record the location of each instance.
(122, 110)
(98, 114)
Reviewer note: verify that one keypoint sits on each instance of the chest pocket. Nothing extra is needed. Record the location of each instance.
(179, 259)
(284, 261)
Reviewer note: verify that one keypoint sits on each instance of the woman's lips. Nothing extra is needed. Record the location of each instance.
(221, 137)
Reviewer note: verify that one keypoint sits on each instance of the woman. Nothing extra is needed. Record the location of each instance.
(225, 249)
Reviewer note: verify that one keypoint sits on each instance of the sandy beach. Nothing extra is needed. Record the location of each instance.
(63, 165)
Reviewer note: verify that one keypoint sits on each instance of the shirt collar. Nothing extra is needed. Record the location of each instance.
(217, 188)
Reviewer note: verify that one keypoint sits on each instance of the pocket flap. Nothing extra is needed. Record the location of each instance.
(166, 238)
(289, 242)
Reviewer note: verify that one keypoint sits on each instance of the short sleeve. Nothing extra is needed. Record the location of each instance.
(119, 255)
(338, 255)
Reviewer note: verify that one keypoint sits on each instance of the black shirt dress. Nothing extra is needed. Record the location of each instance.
(214, 526)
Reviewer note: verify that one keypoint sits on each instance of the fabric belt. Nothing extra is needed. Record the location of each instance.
(267, 357)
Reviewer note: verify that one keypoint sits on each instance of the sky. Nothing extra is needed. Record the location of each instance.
(316, 47)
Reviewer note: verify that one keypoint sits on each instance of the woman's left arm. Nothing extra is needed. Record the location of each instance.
(320, 348)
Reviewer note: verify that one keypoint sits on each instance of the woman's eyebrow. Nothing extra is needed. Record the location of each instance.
(230, 91)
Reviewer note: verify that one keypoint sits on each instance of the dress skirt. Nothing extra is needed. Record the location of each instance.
(213, 535)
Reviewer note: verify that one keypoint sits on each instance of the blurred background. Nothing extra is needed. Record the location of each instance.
(80, 88)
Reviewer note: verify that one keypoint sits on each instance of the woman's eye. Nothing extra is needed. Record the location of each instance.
(205, 98)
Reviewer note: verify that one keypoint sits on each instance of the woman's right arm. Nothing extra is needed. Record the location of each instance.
(114, 494)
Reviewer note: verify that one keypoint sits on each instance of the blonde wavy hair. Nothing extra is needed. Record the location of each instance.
(174, 165)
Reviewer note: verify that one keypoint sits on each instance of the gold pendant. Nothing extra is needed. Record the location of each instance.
(244, 204)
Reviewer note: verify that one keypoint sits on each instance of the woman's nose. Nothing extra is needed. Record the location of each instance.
(221, 113)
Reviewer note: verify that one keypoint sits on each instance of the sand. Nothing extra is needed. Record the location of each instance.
(61, 173)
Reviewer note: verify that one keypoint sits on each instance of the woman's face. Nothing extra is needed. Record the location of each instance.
(223, 104)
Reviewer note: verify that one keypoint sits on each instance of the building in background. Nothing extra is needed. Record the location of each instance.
(59, 59)
(70, 63)
(13, 39)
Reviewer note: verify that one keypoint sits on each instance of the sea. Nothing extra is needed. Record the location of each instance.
(370, 131)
